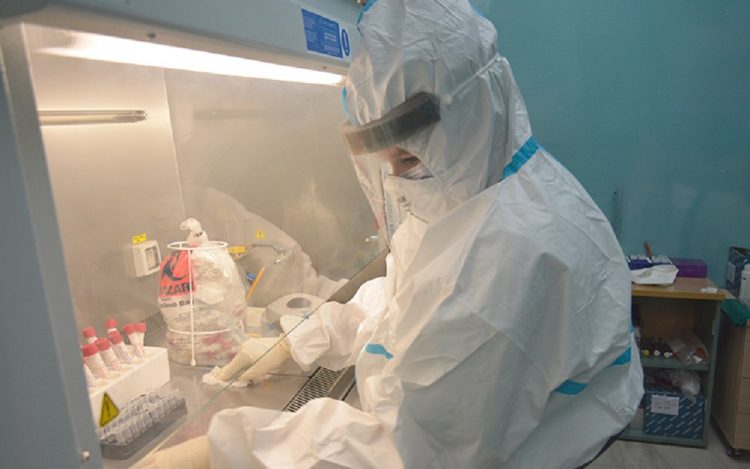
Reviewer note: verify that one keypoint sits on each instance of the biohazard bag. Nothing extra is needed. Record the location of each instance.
(202, 299)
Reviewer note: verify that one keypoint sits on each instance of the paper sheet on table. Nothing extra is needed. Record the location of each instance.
(661, 275)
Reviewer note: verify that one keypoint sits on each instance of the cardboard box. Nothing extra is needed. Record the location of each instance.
(738, 257)
(670, 413)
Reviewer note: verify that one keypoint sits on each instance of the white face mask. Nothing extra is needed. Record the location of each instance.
(423, 198)
(418, 172)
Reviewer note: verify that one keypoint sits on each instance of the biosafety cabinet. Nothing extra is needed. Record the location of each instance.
(119, 121)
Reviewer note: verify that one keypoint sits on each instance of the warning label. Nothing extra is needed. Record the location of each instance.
(175, 276)
(109, 410)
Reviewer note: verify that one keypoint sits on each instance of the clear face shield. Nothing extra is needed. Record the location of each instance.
(391, 145)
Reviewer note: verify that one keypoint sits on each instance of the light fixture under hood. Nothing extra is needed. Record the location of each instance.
(81, 117)
(113, 49)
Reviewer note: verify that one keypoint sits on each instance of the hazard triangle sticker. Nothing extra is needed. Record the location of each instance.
(109, 410)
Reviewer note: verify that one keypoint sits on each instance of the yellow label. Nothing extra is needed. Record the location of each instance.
(109, 410)
(260, 234)
(139, 238)
(237, 249)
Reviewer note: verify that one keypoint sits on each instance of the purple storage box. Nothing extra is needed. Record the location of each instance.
(694, 268)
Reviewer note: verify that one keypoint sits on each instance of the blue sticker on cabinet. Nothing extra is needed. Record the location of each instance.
(322, 34)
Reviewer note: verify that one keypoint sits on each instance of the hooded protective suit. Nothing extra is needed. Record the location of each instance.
(501, 336)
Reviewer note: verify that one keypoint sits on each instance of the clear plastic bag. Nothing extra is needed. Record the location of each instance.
(688, 382)
(689, 349)
(202, 299)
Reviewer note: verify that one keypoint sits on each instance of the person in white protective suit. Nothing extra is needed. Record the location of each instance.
(289, 268)
(501, 335)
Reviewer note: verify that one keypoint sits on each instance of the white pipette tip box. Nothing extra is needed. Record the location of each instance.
(151, 373)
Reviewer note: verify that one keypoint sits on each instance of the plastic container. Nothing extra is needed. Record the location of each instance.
(119, 347)
(108, 355)
(89, 334)
(94, 361)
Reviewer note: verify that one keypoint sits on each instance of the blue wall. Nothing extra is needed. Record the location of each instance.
(649, 100)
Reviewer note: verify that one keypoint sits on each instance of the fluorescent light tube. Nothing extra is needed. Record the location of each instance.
(113, 49)
(80, 117)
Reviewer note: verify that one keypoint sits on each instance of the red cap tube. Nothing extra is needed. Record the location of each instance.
(102, 344)
(114, 337)
(89, 350)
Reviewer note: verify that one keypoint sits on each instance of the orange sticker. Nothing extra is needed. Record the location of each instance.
(175, 270)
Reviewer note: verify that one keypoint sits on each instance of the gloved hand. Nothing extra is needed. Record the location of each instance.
(191, 454)
(273, 352)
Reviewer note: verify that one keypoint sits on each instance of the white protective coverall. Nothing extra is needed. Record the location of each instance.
(502, 337)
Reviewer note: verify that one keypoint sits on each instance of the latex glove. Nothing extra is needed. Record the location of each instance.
(273, 352)
(191, 454)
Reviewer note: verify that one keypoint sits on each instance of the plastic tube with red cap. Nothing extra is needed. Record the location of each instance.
(134, 339)
(90, 378)
(119, 347)
(140, 327)
(108, 355)
(94, 361)
(111, 325)
(89, 333)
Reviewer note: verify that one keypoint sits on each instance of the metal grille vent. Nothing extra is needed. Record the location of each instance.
(323, 383)
(154, 323)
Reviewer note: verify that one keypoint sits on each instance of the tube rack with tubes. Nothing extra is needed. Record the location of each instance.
(139, 422)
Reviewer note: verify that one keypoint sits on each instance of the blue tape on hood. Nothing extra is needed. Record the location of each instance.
(378, 349)
(520, 158)
(624, 358)
(571, 388)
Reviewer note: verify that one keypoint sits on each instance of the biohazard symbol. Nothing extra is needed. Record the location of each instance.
(109, 410)
(174, 275)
